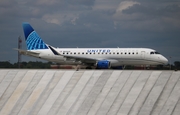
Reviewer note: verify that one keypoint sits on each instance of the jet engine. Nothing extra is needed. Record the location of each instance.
(103, 64)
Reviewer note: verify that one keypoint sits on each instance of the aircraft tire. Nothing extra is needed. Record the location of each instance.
(88, 67)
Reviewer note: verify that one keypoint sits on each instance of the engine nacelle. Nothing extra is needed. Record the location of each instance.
(103, 64)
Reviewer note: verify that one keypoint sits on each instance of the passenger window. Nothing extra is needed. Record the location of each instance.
(117, 52)
(125, 52)
(129, 53)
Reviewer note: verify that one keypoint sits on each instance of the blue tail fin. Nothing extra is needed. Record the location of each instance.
(33, 41)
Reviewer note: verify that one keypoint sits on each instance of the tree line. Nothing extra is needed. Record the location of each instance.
(47, 65)
(30, 64)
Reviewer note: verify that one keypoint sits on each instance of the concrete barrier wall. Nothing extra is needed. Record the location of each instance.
(89, 92)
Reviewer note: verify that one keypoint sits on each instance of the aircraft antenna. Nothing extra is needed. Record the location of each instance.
(19, 54)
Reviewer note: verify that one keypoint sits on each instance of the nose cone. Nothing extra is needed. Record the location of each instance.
(164, 60)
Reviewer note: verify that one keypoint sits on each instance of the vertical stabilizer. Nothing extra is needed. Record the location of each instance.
(33, 40)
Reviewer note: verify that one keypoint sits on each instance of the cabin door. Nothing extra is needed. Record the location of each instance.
(142, 54)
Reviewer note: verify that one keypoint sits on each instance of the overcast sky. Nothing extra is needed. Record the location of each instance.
(92, 23)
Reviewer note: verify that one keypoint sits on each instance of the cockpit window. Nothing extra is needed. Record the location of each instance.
(154, 52)
(157, 53)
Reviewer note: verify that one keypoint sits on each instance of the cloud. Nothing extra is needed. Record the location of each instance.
(57, 11)
(82, 2)
(60, 18)
(47, 2)
(93, 23)
(151, 17)
(125, 5)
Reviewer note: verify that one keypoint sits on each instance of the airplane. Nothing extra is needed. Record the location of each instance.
(101, 58)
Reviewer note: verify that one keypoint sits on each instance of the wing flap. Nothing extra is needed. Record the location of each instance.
(82, 59)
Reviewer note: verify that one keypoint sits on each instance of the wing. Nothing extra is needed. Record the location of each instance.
(81, 59)
(89, 61)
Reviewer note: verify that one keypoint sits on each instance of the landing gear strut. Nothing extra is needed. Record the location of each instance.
(77, 68)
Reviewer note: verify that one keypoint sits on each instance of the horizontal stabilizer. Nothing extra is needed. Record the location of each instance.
(25, 52)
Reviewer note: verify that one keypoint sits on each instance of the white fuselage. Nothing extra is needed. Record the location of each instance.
(101, 58)
(116, 56)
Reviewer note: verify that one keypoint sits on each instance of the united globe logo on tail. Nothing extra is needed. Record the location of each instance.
(33, 41)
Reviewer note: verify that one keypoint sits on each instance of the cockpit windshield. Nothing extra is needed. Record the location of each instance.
(157, 53)
(154, 52)
(151, 52)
